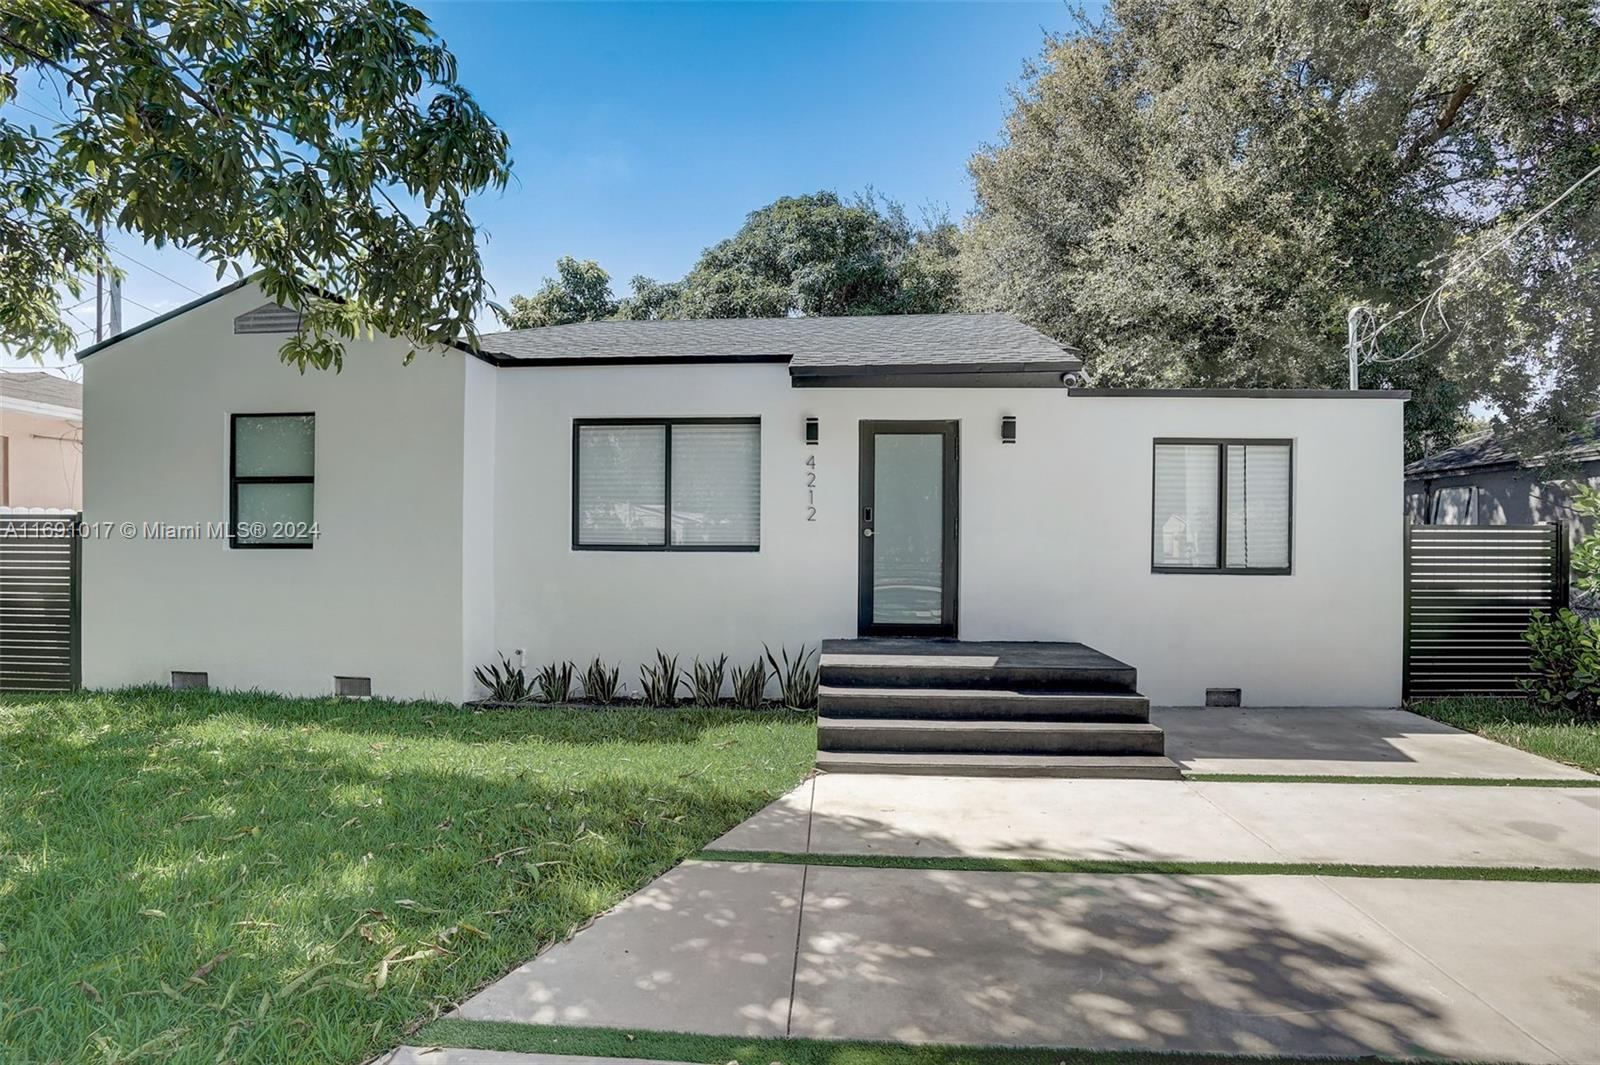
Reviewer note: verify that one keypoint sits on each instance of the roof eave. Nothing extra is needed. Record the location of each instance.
(201, 301)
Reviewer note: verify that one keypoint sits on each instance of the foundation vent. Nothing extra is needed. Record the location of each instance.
(185, 679)
(353, 687)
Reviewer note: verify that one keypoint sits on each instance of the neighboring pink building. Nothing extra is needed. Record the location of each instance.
(41, 441)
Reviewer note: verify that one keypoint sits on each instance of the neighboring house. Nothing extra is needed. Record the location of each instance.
(1481, 482)
(706, 486)
(41, 441)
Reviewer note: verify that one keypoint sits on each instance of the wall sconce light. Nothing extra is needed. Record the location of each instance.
(1008, 429)
(811, 430)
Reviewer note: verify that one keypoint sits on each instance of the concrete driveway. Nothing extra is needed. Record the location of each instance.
(1286, 964)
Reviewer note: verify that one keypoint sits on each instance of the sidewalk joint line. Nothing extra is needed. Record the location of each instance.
(800, 914)
(1209, 801)
(1435, 966)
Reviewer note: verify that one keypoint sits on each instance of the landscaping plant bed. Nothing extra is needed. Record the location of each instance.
(725, 705)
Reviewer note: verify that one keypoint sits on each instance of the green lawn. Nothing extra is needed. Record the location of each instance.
(193, 877)
(1518, 723)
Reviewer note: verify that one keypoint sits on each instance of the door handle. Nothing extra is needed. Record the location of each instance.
(866, 532)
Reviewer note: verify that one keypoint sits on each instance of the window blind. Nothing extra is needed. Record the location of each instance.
(1185, 527)
(1258, 506)
(621, 497)
(716, 484)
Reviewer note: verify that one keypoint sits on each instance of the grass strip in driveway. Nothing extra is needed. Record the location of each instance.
(1519, 723)
(1111, 867)
(205, 876)
(1458, 782)
(720, 1049)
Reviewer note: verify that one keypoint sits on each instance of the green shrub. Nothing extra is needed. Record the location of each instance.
(600, 684)
(659, 683)
(505, 682)
(1565, 661)
(1586, 553)
(797, 681)
(705, 680)
(750, 685)
(555, 682)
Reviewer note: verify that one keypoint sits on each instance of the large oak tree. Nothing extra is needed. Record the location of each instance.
(1195, 192)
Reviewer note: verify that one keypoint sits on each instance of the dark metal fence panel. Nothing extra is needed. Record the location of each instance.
(39, 602)
(1469, 592)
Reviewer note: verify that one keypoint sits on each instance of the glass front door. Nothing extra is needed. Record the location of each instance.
(908, 529)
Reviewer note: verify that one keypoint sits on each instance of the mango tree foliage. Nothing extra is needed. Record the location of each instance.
(1195, 192)
(327, 143)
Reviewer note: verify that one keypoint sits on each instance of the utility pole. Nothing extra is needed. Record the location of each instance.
(1352, 325)
(99, 288)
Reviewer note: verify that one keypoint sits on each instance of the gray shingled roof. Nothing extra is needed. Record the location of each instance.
(1486, 450)
(42, 388)
(890, 340)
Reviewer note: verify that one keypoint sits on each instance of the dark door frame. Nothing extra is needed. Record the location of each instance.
(951, 431)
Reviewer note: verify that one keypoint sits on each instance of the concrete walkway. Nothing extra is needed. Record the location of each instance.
(1340, 742)
(1133, 820)
(1304, 965)
(1262, 964)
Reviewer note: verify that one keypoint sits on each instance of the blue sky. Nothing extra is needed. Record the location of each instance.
(643, 132)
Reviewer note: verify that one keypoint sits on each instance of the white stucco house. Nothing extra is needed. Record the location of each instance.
(704, 487)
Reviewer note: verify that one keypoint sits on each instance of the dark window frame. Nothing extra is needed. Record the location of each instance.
(1222, 444)
(234, 481)
(579, 424)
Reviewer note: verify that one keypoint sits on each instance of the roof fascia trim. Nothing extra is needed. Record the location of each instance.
(1242, 393)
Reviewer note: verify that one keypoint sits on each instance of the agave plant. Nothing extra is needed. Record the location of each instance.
(797, 681)
(750, 685)
(505, 682)
(554, 682)
(705, 680)
(659, 683)
(600, 683)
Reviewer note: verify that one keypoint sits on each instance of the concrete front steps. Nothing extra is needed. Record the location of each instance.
(951, 708)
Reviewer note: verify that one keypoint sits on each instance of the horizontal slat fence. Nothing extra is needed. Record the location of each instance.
(39, 602)
(1469, 592)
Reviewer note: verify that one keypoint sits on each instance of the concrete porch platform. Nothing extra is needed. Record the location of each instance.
(1292, 965)
(983, 708)
(974, 663)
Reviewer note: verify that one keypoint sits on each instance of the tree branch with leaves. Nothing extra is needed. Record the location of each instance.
(326, 145)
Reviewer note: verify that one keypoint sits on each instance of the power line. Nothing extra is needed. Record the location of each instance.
(36, 114)
(136, 303)
(1429, 303)
(42, 102)
(153, 270)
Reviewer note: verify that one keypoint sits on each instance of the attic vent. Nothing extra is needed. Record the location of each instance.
(268, 318)
(1223, 697)
(183, 679)
(353, 687)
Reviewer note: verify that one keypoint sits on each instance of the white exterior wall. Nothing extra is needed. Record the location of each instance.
(1055, 533)
(443, 493)
(381, 594)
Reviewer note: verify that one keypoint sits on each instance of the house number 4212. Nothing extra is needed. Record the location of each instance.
(811, 488)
